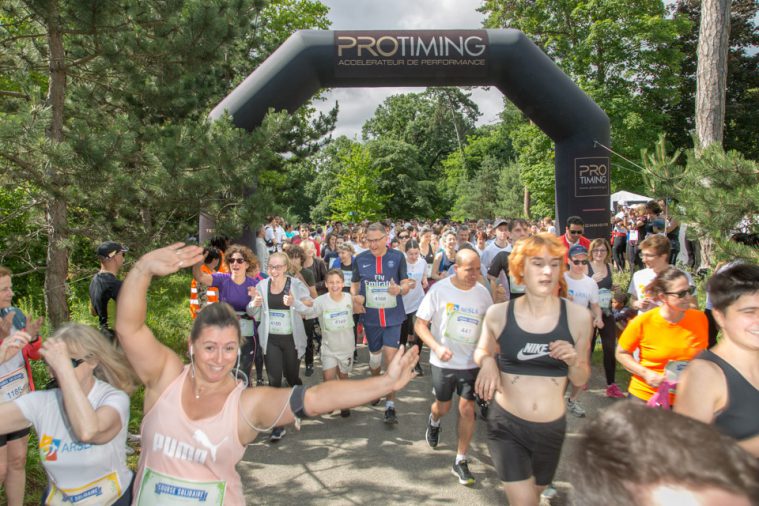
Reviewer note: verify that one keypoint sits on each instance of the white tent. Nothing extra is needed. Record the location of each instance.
(628, 198)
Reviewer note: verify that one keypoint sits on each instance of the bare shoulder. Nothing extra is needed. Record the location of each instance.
(704, 372)
(495, 317)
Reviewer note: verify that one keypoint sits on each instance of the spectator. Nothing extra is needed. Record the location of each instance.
(105, 286)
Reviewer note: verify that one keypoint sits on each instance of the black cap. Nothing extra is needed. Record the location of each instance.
(109, 249)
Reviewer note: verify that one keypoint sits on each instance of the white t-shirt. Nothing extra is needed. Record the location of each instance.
(641, 279)
(417, 272)
(79, 471)
(456, 320)
(336, 322)
(582, 291)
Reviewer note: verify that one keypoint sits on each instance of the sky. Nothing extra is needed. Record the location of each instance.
(358, 104)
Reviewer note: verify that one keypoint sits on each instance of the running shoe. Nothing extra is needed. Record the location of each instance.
(461, 471)
(614, 392)
(418, 369)
(376, 402)
(259, 382)
(390, 417)
(432, 434)
(277, 434)
(549, 492)
(345, 413)
(309, 370)
(575, 408)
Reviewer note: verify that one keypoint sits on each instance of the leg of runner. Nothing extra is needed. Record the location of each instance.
(466, 431)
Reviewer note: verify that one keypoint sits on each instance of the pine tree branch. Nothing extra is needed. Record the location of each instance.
(14, 94)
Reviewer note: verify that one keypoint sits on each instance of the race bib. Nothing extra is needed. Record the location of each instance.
(101, 492)
(428, 270)
(13, 385)
(604, 299)
(347, 278)
(338, 320)
(280, 322)
(633, 235)
(674, 369)
(463, 327)
(378, 298)
(158, 488)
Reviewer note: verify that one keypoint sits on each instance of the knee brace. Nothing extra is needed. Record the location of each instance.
(375, 360)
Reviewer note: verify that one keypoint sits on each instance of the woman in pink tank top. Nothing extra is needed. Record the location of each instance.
(198, 418)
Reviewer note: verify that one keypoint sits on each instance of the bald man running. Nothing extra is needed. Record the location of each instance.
(455, 306)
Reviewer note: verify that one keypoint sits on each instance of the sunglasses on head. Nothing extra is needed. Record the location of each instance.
(683, 293)
(575, 232)
(236, 260)
(580, 262)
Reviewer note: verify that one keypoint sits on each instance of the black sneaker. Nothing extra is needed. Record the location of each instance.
(432, 434)
(461, 471)
(418, 369)
(345, 413)
(309, 370)
(277, 434)
(390, 417)
(376, 402)
(260, 382)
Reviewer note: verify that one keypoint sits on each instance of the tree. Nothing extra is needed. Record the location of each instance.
(118, 146)
(436, 122)
(711, 74)
(742, 95)
(623, 54)
(357, 196)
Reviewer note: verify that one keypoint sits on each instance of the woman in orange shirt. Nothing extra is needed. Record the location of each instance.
(666, 337)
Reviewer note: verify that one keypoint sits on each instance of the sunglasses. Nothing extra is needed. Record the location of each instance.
(580, 262)
(683, 293)
(575, 232)
(402, 237)
(236, 260)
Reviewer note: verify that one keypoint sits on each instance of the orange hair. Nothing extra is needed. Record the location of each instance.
(532, 246)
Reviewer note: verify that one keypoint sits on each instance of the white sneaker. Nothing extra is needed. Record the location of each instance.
(575, 408)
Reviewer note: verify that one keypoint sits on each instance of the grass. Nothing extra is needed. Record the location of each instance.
(168, 317)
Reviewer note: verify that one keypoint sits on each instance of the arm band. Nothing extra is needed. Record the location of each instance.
(297, 401)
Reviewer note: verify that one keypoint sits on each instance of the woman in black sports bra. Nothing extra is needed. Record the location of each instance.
(721, 386)
(541, 340)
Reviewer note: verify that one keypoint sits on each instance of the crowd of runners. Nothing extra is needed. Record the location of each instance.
(509, 310)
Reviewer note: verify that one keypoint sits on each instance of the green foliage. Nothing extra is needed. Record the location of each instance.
(357, 192)
(718, 192)
(536, 161)
(742, 93)
(622, 53)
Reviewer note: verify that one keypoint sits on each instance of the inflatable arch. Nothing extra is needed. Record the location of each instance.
(310, 60)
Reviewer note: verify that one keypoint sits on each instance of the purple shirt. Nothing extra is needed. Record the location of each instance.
(230, 292)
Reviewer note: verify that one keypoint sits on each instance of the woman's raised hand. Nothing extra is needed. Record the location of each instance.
(168, 260)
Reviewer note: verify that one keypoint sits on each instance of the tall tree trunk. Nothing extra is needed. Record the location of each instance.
(57, 209)
(711, 83)
(526, 203)
(711, 73)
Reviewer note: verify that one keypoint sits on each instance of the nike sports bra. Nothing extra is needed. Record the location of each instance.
(526, 354)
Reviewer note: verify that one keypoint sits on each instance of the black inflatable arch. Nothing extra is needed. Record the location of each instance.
(310, 60)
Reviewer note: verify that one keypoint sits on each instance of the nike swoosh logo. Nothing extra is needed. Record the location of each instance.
(522, 356)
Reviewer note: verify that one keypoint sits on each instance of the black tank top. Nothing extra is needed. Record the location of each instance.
(739, 418)
(445, 263)
(276, 302)
(526, 354)
(606, 282)
(430, 256)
